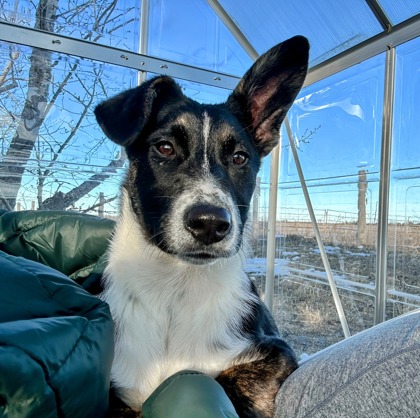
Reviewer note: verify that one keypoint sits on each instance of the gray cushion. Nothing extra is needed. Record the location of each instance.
(373, 374)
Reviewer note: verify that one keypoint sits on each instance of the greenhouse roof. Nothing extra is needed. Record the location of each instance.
(332, 26)
(345, 31)
(213, 42)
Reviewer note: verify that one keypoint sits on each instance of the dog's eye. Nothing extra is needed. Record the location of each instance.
(240, 158)
(165, 148)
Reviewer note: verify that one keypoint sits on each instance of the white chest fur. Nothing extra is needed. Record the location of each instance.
(169, 315)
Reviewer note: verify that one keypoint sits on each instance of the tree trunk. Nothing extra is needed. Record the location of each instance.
(13, 164)
(61, 201)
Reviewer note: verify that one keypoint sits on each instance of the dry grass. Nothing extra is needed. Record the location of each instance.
(304, 308)
(348, 234)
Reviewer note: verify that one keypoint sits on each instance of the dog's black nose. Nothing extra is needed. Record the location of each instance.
(208, 224)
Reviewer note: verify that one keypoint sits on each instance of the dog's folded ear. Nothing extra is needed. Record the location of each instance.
(268, 89)
(124, 116)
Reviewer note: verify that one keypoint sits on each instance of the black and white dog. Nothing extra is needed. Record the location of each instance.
(174, 279)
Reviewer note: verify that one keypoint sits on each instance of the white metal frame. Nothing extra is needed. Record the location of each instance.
(102, 53)
(144, 34)
(384, 185)
(376, 45)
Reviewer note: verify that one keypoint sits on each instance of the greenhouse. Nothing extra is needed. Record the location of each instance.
(333, 227)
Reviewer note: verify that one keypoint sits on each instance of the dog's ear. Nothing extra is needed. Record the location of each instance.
(123, 117)
(268, 89)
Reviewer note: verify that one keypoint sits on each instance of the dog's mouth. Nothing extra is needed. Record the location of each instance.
(199, 233)
(200, 257)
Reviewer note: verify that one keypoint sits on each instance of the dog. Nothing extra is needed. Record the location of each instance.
(174, 279)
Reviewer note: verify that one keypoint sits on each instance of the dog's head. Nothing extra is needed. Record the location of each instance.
(192, 166)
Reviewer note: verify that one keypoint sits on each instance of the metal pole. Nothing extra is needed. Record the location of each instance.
(324, 257)
(384, 183)
(233, 28)
(144, 35)
(380, 15)
(272, 226)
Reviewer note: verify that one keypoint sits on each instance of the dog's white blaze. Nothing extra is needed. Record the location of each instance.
(206, 135)
(169, 315)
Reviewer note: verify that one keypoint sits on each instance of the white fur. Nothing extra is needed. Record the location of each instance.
(206, 134)
(169, 315)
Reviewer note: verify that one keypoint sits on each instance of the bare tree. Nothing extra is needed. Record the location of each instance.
(33, 138)
(13, 164)
(8, 83)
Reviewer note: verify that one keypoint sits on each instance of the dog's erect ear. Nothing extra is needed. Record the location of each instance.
(123, 117)
(268, 89)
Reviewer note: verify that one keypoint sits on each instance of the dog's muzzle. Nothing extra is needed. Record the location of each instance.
(208, 224)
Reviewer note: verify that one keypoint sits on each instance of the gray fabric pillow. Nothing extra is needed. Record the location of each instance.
(373, 374)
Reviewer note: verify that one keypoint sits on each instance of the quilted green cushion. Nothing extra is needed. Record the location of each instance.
(69, 242)
(56, 344)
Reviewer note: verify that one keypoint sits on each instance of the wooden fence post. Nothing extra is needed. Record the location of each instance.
(361, 207)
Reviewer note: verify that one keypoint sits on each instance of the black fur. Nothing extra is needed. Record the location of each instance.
(155, 119)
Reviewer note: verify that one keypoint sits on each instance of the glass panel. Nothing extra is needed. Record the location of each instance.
(189, 32)
(337, 123)
(307, 316)
(346, 212)
(304, 306)
(398, 11)
(53, 154)
(111, 22)
(406, 153)
(203, 93)
(331, 26)
(404, 217)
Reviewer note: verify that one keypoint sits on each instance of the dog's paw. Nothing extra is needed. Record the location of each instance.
(252, 387)
(252, 396)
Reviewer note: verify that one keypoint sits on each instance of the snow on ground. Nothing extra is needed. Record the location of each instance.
(258, 266)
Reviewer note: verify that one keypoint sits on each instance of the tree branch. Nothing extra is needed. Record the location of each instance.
(61, 201)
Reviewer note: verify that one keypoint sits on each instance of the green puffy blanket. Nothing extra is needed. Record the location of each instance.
(56, 340)
(71, 243)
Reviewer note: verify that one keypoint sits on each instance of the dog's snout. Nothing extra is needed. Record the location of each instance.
(208, 224)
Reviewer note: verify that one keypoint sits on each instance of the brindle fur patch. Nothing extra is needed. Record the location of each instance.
(252, 387)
